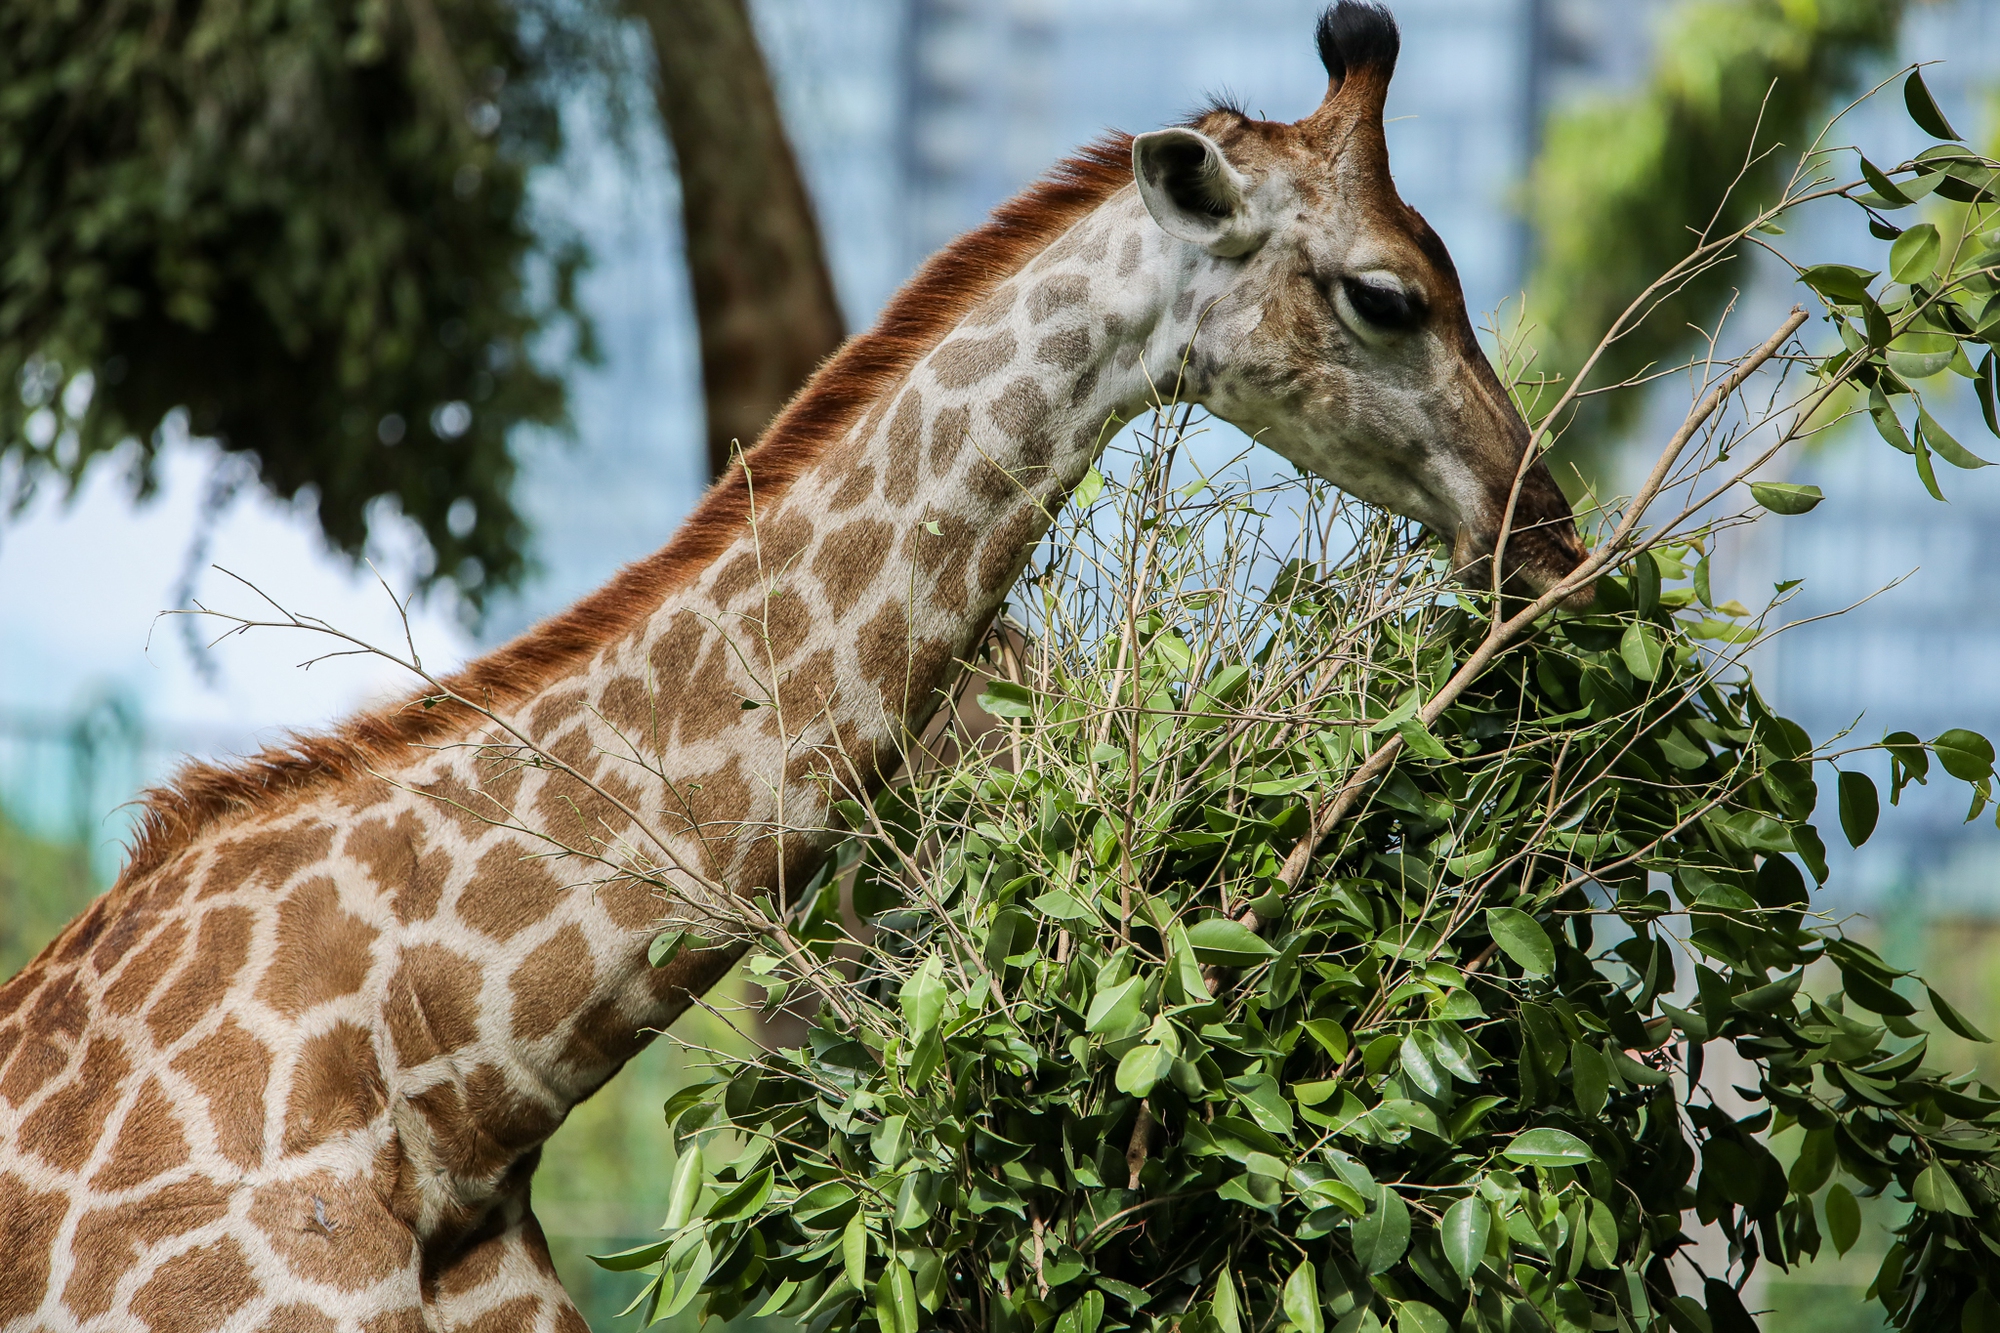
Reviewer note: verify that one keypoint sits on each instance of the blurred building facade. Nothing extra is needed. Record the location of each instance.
(914, 117)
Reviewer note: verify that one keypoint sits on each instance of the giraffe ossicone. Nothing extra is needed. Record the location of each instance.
(294, 1070)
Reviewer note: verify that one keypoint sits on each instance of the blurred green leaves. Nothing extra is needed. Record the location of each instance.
(1624, 185)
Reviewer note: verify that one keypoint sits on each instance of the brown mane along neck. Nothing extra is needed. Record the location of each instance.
(926, 308)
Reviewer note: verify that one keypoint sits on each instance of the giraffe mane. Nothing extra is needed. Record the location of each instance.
(926, 307)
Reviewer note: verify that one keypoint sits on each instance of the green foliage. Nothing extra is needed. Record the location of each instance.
(1438, 1089)
(306, 223)
(1624, 186)
(1316, 943)
(43, 884)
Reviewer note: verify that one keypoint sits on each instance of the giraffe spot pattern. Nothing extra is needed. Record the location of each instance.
(630, 706)
(108, 1241)
(336, 1088)
(297, 1318)
(1055, 294)
(508, 893)
(139, 977)
(231, 1069)
(266, 858)
(149, 1143)
(849, 559)
(1022, 411)
(464, 808)
(584, 817)
(906, 436)
(949, 432)
(64, 1128)
(222, 945)
(1067, 349)
(396, 862)
(323, 953)
(551, 984)
(804, 692)
(28, 1225)
(197, 1290)
(331, 1230)
(943, 558)
(1129, 255)
(962, 362)
(1006, 549)
(433, 1004)
(708, 807)
(857, 485)
(50, 1029)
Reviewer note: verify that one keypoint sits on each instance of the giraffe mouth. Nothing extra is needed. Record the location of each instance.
(1540, 555)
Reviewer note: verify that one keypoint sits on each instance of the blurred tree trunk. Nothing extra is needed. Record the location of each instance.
(762, 294)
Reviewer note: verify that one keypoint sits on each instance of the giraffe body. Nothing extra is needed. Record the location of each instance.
(294, 1071)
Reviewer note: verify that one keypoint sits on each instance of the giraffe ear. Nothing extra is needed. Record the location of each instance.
(1193, 192)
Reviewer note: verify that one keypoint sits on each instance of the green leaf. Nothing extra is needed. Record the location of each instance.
(666, 947)
(1417, 1064)
(1842, 284)
(1063, 906)
(1142, 1067)
(689, 1176)
(1949, 449)
(1640, 648)
(1815, 1162)
(854, 1251)
(923, 996)
(1416, 1317)
(1843, 1218)
(1914, 255)
(1783, 497)
(1092, 484)
(1953, 1019)
(1466, 1228)
(1381, 1237)
(1419, 739)
(1602, 1251)
(1003, 698)
(1522, 939)
(1330, 1035)
(1924, 108)
(1936, 1192)
(1702, 590)
(1116, 1008)
(1223, 1304)
(1860, 806)
(1878, 181)
(1301, 1300)
(1548, 1147)
(1920, 354)
(1966, 755)
(1222, 942)
(1591, 1073)
(640, 1256)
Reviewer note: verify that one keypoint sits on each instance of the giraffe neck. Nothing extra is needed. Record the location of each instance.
(803, 656)
(789, 671)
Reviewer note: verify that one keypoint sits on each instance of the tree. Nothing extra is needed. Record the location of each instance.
(1342, 948)
(310, 227)
(1624, 185)
(763, 296)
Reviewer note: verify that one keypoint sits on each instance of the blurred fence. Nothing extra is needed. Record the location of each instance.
(69, 777)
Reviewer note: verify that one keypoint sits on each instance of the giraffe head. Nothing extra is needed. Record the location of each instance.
(1331, 322)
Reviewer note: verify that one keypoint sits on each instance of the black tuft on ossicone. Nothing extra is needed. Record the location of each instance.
(1354, 36)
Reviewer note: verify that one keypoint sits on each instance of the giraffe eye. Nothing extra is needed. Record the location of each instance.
(1384, 304)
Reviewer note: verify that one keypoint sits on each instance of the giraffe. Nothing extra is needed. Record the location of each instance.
(294, 1070)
